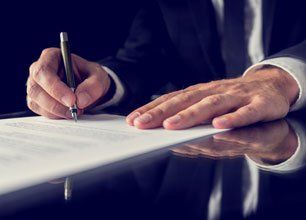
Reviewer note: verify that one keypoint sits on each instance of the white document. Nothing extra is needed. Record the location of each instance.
(34, 150)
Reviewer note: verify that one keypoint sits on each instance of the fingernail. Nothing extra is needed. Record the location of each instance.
(83, 99)
(143, 119)
(68, 114)
(132, 116)
(222, 121)
(174, 119)
(66, 99)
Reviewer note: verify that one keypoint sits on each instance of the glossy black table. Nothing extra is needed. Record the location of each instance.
(256, 172)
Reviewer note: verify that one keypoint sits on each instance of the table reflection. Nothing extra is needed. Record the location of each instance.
(275, 146)
(267, 144)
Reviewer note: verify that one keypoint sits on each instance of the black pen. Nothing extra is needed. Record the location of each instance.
(66, 56)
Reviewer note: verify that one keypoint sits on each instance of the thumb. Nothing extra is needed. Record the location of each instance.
(93, 87)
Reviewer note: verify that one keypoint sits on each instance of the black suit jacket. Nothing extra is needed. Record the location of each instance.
(176, 41)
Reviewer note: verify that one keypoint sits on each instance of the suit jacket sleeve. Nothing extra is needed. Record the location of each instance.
(297, 51)
(142, 61)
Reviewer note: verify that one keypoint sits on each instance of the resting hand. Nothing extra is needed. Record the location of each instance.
(260, 96)
(49, 96)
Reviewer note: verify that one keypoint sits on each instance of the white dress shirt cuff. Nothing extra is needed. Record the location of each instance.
(119, 91)
(295, 67)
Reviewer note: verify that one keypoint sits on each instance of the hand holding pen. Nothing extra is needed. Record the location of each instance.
(49, 96)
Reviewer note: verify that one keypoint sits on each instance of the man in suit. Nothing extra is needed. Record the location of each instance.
(235, 63)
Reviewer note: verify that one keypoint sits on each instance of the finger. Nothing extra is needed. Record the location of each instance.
(92, 88)
(231, 136)
(209, 152)
(204, 110)
(242, 136)
(155, 117)
(185, 151)
(221, 149)
(45, 101)
(34, 107)
(136, 113)
(45, 73)
(245, 115)
(234, 140)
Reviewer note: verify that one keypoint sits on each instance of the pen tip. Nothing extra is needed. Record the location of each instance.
(75, 117)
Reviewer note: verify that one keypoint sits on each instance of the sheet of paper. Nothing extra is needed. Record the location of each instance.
(35, 149)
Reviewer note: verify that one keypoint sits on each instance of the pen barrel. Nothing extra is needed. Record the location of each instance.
(65, 49)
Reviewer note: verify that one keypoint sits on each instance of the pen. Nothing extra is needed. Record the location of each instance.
(68, 69)
(68, 189)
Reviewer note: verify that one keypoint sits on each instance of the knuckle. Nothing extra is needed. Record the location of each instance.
(34, 70)
(190, 88)
(214, 85)
(142, 109)
(186, 97)
(32, 67)
(170, 95)
(176, 99)
(33, 90)
(251, 110)
(192, 114)
(29, 82)
(37, 71)
(159, 111)
(260, 98)
(215, 100)
(32, 105)
(193, 87)
(45, 63)
(240, 88)
(165, 97)
(49, 51)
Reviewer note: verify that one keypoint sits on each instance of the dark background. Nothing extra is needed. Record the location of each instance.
(96, 30)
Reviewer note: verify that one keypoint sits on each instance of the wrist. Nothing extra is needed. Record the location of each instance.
(280, 79)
